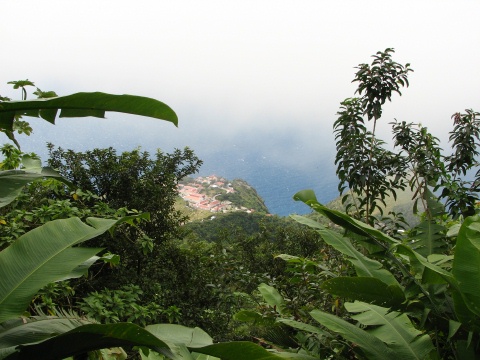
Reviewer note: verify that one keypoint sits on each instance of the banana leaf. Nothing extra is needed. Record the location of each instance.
(42, 256)
(308, 197)
(237, 350)
(370, 346)
(394, 329)
(13, 181)
(84, 104)
(272, 297)
(20, 331)
(466, 266)
(88, 338)
(368, 289)
(364, 266)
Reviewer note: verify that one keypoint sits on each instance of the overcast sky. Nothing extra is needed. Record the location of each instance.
(237, 70)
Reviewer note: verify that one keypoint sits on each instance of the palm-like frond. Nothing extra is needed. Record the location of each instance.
(394, 329)
(42, 256)
(20, 331)
(428, 238)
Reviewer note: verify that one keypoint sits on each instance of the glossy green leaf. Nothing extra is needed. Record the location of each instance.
(42, 256)
(148, 354)
(372, 347)
(197, 356)
(429, 238)
(31, 163)
(180, 339)
(13, 181)
(308, 222)
(464, 308)
(367, 289)
(81, 269)
(453, 230)
(393, 328)
(341, 219)
(272, 297)
(91, 337)
(417, 261)
(178, 334)
(20, 331)
(453, 327)
(237, 350)
(85, 104)
(364, 266)
(466, 262)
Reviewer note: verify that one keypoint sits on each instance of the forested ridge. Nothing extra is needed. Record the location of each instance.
(99, 261)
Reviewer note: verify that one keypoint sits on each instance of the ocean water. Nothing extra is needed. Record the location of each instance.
(277, 164)
(274, 181)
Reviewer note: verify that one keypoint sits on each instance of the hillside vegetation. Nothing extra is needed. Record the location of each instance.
(350, 286)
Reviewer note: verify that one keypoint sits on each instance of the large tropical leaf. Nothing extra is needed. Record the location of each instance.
(237, 350)
(42, 256)
(364, 266)
(12, 182)
(197, 356)
(428, 238)
(179, 339)
(465, 309)
(88, 338)
(343, 220)
(21, 331)
(425, 270)
(465, 350)
(372, 347)
(394, 329)
(84, 104)
(178, 334)
(466, 262)
(368, 289)
(272, 297)
(148, 354)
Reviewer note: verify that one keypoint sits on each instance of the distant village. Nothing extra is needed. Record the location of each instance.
(201, 193)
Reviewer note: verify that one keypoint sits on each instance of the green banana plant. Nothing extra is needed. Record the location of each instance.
(44, 255)
(84, 104)
(391, 334)
(13, 181)
(161, 341)
(49, 253)
(428, 298)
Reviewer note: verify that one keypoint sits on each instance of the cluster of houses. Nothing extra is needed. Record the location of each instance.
(195, 194)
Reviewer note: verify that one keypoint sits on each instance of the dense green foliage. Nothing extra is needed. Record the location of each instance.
(131, 180)
(39, 249)
(366, 284)
(371, 173)
(413, 290)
